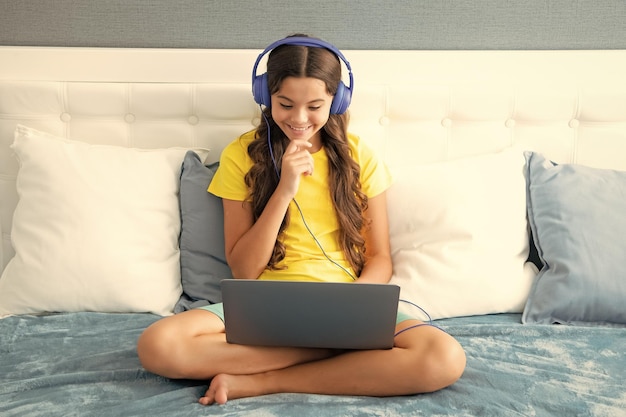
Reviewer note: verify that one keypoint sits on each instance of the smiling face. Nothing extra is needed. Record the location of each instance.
(301, 107)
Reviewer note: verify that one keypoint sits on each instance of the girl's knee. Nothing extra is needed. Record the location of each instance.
(453, 358)
(156, 348)
(149, 346)
(439, 360)
(166, 347)
(446, 361)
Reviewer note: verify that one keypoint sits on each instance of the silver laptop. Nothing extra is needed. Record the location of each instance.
(310, 314)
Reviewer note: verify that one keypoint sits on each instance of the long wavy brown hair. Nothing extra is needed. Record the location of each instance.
(348, 199)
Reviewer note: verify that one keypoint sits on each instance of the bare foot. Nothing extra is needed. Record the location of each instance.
(226, 387)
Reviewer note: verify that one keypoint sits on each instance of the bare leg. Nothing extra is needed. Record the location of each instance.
(193, 345)
(424, 359)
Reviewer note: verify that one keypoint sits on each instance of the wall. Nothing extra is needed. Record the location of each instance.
(367, 24)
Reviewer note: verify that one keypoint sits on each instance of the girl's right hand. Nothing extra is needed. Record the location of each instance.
(297, 161)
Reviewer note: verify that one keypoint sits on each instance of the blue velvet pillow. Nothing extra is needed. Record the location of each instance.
(202, 258)
(577, 215)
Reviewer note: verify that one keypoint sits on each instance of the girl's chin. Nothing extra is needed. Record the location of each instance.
(297, 137)
(306, 137)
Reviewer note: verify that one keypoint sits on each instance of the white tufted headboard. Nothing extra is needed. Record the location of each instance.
(412, 106)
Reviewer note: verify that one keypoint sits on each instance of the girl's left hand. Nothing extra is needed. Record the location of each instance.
(297, 161)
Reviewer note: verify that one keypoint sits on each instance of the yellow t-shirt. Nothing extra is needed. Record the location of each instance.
(304, 260)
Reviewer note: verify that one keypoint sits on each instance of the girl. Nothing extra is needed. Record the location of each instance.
(303, 199)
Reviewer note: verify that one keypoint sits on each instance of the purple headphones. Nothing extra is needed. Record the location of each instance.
(261, 91)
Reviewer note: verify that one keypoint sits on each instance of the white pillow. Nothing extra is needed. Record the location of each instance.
(1, 247)
(459, 236)
(95, 229)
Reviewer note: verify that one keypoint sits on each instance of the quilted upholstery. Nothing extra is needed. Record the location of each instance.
(412, 106)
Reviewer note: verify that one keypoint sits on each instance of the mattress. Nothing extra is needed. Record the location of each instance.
(85, 364)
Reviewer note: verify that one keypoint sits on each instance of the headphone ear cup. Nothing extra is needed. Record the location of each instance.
(261, 91)
(342, 99)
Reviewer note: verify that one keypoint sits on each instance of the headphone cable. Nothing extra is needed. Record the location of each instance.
(306, 225)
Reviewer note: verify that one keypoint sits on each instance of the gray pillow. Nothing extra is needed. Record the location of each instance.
(202, 259)
(576, 214)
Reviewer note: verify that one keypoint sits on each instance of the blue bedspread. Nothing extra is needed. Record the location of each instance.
(84, 364)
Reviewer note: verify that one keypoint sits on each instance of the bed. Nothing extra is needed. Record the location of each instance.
(506, 221)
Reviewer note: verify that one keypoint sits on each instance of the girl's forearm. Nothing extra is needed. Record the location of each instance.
(377, 270)
(250, 255)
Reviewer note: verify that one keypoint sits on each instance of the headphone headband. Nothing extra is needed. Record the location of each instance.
(260, 89)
